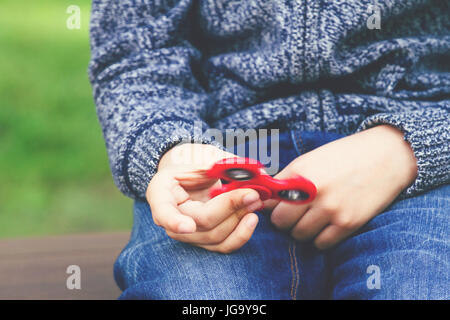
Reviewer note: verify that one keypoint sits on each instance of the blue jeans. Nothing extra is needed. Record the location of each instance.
(402, 253)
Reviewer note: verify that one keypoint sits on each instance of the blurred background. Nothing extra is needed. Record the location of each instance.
(54, 174)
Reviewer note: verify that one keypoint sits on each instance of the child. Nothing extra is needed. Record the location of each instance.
(363, 113)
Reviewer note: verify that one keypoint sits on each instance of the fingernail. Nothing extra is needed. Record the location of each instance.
(255, 206)
(250, 198)
(186, 227)
(252, 222)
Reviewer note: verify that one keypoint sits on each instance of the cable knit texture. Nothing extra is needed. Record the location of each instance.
(161, 68)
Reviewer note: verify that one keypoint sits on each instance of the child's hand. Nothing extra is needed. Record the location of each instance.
(357, 177)
(179, 199)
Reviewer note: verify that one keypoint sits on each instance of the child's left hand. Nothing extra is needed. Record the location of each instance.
(357, 177)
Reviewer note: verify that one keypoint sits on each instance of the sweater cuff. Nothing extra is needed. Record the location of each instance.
(144, 147)
(428, 133)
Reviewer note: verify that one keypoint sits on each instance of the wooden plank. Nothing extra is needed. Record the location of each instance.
(35, 268)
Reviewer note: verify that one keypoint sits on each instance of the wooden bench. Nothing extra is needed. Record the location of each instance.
(35, 268)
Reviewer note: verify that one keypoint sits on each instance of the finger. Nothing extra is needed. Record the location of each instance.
(240, 236)
(270, 204)
(208, 215)
(166, 215)
(164, 187)
(285, 215)
(195, 179)
(214, 236)
(163, 204)
(331, 236)
(202, 195)
(198, 177)
(180, 195)
(310, 225)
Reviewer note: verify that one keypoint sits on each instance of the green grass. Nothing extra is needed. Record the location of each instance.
(54, 174)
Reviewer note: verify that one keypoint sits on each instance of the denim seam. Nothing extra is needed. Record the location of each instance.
(297, 280)
(292, 270)
(299, 145)
(294, 143)
(302, 144)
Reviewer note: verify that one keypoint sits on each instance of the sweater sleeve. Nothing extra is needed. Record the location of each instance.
(145, 91)
(428, 132)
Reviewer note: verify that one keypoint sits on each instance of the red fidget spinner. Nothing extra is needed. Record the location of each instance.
(249, 173)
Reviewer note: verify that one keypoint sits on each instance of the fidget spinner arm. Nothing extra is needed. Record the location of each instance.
(249, 173)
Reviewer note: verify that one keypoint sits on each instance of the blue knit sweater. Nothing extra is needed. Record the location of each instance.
(159, 66)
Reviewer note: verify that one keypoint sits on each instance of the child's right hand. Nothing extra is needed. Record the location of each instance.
(179, 199)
